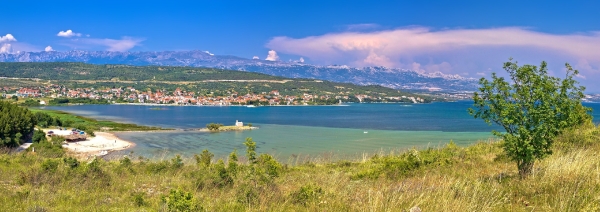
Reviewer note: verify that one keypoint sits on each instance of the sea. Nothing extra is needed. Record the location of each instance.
(297, 133)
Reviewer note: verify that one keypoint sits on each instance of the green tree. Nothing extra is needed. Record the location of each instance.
(250, 150)
(533, 108)
(205, 158)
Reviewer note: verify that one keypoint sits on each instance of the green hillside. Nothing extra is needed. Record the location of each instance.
(204, 81)
(82, 71)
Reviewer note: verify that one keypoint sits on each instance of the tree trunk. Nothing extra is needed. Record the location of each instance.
(525, 168)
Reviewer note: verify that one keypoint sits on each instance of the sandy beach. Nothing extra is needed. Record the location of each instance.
(103, 142)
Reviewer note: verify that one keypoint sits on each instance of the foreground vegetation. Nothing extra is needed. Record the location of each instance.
(450, 178)
(48, 118)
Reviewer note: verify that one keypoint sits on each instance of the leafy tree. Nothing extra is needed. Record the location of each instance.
(232, 166)
(250, 150)
(205, 158)
(16, 124)
(533, 109)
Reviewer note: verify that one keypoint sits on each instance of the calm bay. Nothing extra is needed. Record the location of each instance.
(292, 132)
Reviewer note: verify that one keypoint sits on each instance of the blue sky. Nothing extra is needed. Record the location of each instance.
(470, 38)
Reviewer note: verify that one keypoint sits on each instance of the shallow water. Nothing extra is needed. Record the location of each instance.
(292, 132)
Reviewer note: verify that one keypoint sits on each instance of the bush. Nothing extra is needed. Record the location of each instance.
(38, 136)
(178, 200)
(71, 162)
(50, 165)
(204, 159)
(232, 166)
(307, 194)
(214, 126)
(49, 149)
(138, 199)
(269, 165)
(177, 162)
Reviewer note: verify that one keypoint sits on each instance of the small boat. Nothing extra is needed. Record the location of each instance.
(103, 153)
(365, 132)
(250, 106)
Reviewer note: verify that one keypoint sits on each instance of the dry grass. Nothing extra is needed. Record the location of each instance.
(449, 178)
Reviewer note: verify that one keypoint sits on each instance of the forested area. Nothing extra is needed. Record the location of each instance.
(16, 123)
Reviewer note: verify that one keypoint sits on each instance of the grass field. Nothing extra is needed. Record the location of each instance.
(94, 124)
(448, 178)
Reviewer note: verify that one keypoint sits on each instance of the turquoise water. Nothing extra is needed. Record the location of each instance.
(329, 132)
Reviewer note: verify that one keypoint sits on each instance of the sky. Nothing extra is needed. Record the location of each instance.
(469, 38)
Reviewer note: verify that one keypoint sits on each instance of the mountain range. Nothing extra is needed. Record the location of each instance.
(388, 77)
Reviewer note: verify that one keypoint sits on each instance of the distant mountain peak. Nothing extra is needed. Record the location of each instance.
(376, 75)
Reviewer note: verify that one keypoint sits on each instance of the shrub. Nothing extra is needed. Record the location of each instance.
(49, 149)
(204, 159)
(223, 176)
(50, 165)
(247, 194)
(94, 166)
(71, 162)
(157, 167)
(177, 162)
(250, 150)
(269, 165)
(214, 126)
(232, 166)
(138, 199)
(307, 194)
(38, 136)
(178, 200)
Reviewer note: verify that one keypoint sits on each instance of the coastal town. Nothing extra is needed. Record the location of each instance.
(183, 97)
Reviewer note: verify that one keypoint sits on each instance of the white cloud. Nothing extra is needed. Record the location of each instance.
(301, 60)
(6, 48)
(7, 38)
(480, 74)
(67, 34)
(452, 51)
(255, 58)
(272, 56)
(390, 46)
(123, 44)
(207, 52)
(48, 49)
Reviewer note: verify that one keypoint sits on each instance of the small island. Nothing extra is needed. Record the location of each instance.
(217, 127)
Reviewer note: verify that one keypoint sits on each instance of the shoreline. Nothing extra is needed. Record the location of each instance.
(99, 145)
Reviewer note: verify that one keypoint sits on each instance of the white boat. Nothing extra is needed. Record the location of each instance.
(250, 106)
(103, 153)
(365, 132)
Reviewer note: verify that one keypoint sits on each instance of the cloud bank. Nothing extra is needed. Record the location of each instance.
(67, 34)
(470, 52)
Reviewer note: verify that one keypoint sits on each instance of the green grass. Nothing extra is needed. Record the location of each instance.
(94, 124)
(448, 178)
